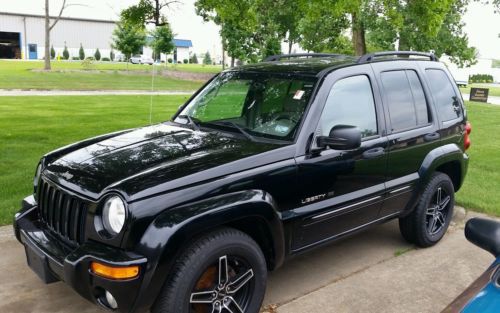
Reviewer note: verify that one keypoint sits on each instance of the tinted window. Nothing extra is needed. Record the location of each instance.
(350, 103)
(405, 99)
(261, 105)
(444, 95)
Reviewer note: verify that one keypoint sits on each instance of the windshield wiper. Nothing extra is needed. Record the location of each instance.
(191, 121)
(237, 127)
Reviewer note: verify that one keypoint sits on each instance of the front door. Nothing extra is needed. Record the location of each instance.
(32, 50)
(343, 190)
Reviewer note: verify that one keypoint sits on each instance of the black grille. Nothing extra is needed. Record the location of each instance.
(63, 213)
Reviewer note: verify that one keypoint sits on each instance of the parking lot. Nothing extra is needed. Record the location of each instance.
(374, 271)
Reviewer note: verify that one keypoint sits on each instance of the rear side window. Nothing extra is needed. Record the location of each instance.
(350, 102)
(405, 99)
(446, 100)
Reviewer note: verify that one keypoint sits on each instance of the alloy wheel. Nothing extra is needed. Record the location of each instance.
(224, 287)
(437, 212)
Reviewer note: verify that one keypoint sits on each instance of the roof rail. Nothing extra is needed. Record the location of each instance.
(369, 57)
(278, 57)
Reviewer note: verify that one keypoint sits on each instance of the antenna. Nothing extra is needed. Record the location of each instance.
(151, 96)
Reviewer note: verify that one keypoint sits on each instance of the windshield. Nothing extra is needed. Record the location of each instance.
(259, 105)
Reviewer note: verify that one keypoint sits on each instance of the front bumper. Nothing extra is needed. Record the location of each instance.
(54, 261)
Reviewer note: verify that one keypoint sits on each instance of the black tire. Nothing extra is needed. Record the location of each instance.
(428, 222)
(196, 265)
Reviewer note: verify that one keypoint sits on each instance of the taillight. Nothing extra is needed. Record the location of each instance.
(468, 130)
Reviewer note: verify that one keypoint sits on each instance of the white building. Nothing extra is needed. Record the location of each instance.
(22, 36)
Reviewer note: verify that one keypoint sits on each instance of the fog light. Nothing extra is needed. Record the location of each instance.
(111, 300)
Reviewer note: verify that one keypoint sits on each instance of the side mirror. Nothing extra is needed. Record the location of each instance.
(342, 137)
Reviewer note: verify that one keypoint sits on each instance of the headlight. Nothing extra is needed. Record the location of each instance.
(37, 177)
(113, 215)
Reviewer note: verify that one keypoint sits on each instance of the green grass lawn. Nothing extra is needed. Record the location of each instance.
(32, 126)
(494, 91)
(68, 75)
(481, 189)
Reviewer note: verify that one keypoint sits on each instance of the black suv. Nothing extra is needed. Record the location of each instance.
(264, 162)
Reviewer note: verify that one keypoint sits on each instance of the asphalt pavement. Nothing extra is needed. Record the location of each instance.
(374, 271)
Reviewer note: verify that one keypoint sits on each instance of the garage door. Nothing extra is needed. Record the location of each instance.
(10, 47)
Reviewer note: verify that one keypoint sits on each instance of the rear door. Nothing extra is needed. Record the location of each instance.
(412, 128)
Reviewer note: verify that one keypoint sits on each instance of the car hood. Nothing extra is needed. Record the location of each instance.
(148, 156)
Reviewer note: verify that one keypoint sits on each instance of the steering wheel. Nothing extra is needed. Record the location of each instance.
(285, 117)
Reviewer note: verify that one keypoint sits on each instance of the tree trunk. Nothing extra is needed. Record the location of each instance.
(358, 35)
(232, 62)
(47, 37)
(290, 44)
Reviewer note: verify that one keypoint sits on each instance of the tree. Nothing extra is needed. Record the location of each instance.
(207, 60)
(97, 54)
(162, 40)
(322, 27)
(81, 53)
(194, 59)
(128, 38)
(49, 27)
(147, 12)
(52, 52)
(65, 53)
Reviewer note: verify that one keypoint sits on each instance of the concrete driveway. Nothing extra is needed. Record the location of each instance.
(374, 271)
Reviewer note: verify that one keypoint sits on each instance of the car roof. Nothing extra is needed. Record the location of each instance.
(300, 66)
(318, 64)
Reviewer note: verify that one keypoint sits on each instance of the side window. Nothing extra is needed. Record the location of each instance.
(405, 99)
(446, 100)
(350, 102)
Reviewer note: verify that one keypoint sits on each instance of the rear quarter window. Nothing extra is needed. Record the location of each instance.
(445, 98)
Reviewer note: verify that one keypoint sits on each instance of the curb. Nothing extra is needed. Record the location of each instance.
(459, 215)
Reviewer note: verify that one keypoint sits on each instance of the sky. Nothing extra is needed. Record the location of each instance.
(482, 25)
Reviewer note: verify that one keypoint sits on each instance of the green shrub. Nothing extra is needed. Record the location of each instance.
(97, 54)
(105, 59)
(480, 78)
(75, 58)
(65, 53)
(185, 61)
(52, 52)
(194, 59)
(81, 53)
(170, 60)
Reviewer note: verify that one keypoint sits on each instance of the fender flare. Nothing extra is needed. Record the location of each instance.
(170, 230)
(433, 160)
(439, 156)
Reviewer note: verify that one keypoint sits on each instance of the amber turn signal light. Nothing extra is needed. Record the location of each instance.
(112, 272)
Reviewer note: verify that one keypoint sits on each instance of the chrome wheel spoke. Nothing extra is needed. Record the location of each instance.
(440, 218)
(223, 271)
(233, 287)
(232, 306)
(443, 204)
(431, 211)
(438, 196)
(432, 225)
(202, 297)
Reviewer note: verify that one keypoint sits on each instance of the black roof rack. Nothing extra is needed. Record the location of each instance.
(371, 56)
(278, 57)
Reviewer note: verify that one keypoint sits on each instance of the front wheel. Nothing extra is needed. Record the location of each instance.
(224, 271)
(428, 222)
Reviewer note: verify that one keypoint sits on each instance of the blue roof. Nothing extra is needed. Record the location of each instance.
(183, 43)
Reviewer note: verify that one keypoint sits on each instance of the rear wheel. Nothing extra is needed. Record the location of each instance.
(224, 271)
(428, 222)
